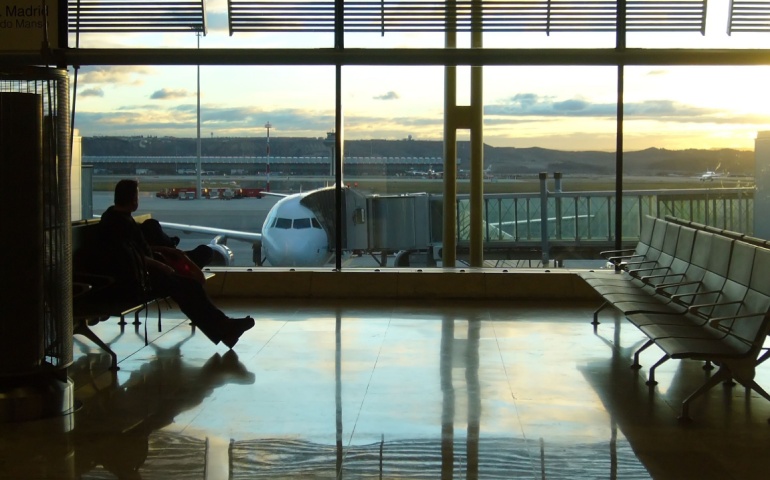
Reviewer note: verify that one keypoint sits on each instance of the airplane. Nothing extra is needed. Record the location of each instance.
(488, 173)
(430, 173)
(292, 235)
(710, 175)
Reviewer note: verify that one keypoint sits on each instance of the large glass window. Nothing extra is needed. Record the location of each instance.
(271, 130)
(393, 156)
(141, 122)
(689, 141)
(549, 163)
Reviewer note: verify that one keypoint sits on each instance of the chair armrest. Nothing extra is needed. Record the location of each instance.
(623, 257)
(80, 289)
(695, 308)
(693, 294)
(87, 277)
(662, 275)
(95, 280)
(640, 262)
(648, 269)
(675, 284)
(605, 253)
(714, 322)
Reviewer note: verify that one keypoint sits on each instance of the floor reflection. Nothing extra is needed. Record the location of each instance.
(456, 390)
(119, 429)
(451, 454)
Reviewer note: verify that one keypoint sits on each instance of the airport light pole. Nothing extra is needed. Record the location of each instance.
(198, 167)
(268, 126)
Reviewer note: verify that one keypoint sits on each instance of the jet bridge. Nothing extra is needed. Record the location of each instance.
(398, 223)
(381, 224)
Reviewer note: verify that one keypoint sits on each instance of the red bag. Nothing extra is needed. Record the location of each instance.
(182, 264)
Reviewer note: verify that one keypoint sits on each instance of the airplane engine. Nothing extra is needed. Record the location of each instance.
(223, 256)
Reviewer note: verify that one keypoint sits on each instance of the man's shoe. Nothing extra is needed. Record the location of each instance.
(234, 329)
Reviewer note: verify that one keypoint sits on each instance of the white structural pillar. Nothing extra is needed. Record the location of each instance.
(268, 126)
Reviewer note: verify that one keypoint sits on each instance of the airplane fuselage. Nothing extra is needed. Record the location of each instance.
(293, 237)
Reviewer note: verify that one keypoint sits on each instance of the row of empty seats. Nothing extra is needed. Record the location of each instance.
(696, 294)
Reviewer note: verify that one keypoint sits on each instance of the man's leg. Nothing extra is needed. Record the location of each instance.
(194, 302)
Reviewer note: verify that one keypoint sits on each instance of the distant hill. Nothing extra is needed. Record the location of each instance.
(652, 161)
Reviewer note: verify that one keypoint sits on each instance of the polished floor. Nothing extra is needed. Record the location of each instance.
(339, 389)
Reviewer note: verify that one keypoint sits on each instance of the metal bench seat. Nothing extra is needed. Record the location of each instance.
(711, 302)
(618, 257)
(675, 287)
(730, 332)
(699, 285)
(672, 265)
(717, 295)
(735, 349)
(659, 255)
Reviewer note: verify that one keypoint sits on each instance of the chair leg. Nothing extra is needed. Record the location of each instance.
(651, 381)
(721, 374)
(763, 357)
(752, 385)
(636, 365)
(82, 329)
(596, 313)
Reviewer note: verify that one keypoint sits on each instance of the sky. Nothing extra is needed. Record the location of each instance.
(566, 108)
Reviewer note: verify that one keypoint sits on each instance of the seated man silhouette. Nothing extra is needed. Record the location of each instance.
(140, 273)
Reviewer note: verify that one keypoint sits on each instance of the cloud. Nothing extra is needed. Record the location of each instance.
(391, 95)
(168, 94)
(181, 121)
(115, 75)
(92, 92)
(533, 105)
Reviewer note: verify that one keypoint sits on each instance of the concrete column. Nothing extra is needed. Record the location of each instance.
(477, 144)
(762, 181)
(21, 210)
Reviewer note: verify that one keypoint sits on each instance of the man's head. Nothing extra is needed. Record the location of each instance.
(127, 194)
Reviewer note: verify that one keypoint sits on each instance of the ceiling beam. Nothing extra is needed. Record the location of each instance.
(385, 57)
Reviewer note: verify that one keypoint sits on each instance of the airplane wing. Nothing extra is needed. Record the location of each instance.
(496, 231)
(538, 220)
(273, 194)
(219, 232)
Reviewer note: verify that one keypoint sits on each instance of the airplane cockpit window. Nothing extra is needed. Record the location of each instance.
(316, 223)
(284, 223)
(301, 223)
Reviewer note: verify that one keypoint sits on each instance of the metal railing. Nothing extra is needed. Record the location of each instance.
(583, 223)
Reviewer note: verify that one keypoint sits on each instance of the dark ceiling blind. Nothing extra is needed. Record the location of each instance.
(492, 16)
(748, 16)
(98, 16)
